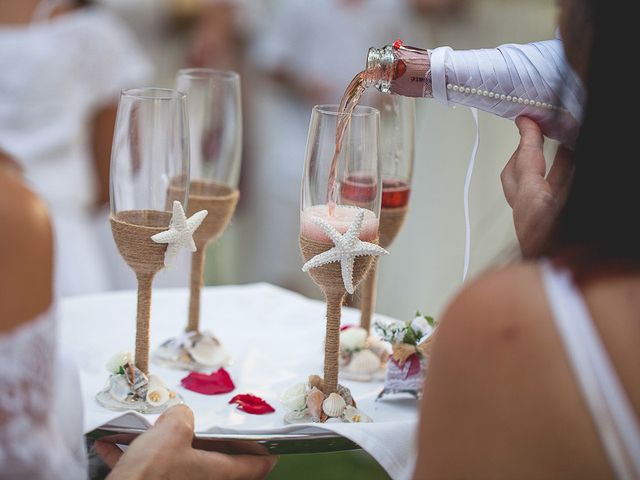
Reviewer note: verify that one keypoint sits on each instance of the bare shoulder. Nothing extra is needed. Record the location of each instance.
(26, 253)
(500, 400)
(498, 306)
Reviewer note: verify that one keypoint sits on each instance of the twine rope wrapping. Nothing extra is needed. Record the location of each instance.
(329, 278)
(220, 201)
(391, 221)
(132, 231)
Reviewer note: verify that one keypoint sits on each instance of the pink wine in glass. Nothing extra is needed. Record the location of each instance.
(395, 193)
(358, 189)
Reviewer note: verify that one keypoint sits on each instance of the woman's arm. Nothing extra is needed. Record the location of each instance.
(26, 252)
(102, 128)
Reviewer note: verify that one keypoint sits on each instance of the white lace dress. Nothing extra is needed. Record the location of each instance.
(40, 407)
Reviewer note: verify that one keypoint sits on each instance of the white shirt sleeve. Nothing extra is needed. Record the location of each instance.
(533, 80)
(113, 59)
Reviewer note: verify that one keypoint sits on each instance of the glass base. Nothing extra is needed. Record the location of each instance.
(193, 351)
(105, 399)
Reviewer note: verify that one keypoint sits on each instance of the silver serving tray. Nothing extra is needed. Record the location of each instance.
(256, 444)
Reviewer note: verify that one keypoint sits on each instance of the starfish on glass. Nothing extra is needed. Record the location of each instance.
(347, 248)
(180, 233)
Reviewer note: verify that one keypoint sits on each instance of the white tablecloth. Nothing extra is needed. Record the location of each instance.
(275, 338)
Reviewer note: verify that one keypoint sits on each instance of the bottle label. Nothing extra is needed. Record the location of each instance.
(412, 67)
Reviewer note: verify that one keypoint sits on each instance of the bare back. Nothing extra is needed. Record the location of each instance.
(501, 400)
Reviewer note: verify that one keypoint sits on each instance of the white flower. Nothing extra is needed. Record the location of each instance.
(295, 397)
(396, 331)
(353, 339)
(421, 326)
(157, 396)
(120, 359)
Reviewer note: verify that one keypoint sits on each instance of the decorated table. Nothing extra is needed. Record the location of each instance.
(275, 338)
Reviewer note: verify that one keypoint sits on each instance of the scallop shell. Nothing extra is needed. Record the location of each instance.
(353, 415)
(157, 396)
(119, 387)
(334, 405)
(207, 351)
(364, 362)
(314, 404)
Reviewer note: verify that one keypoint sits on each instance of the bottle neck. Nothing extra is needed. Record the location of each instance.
(381, 63)
(401, 70)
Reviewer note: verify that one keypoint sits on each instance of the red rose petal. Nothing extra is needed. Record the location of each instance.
(209, 384)
(251, 404)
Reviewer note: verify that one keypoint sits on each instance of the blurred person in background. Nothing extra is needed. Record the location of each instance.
(64, 64)
(177, 34)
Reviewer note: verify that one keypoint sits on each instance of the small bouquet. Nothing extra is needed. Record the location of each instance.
(411, 343)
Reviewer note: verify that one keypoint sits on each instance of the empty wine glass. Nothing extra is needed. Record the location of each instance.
(215, 124)
(149, 170)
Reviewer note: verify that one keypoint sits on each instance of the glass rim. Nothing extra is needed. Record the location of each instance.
(359, 111)
(153, 93)
(205, 73)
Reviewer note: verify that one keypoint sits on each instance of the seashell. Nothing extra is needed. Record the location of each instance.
(314, 404)
(119, 387)
(353, 415)
(364, 362)
(207, 351)
(334, 405)
(297, 416)
(157, 396)
(171, 350)
(345, 393)
(316, 381)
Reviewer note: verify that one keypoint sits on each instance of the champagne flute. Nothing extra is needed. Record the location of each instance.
(215, 125)
(357, 192)
(149, 167)
(397, 131)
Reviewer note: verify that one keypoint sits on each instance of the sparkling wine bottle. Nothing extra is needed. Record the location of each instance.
(533, 80)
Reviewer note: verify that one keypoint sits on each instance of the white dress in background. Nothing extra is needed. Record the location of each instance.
(56, 75)
(40, 407)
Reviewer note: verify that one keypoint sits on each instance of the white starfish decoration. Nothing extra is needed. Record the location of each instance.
(180, 233)
(347, 248)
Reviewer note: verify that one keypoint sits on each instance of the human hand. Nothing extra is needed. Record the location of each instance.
(165, 451)
(536, 200)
